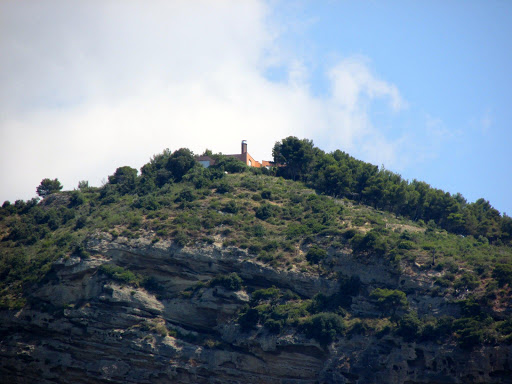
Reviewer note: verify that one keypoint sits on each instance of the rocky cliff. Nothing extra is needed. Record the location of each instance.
(85, 324)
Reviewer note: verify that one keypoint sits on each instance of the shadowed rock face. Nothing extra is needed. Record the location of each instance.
(82, 327)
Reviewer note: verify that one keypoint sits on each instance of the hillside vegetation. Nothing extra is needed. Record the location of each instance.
(301, 217)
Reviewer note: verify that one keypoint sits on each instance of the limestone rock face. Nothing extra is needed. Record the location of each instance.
(83, 327)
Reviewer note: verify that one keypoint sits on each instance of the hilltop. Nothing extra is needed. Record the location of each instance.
(312, 271)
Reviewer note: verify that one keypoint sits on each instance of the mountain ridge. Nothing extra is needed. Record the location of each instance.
(189, 274)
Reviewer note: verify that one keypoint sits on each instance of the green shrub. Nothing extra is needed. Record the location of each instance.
(469, 332)
(77, 198)
(232, 282)
(467, 281)
(265, 294)
(181, 238)
(316, 254)
(274, 326)
(266, 211)
(258, 230)
(120, 274)
(231, 207)
(266, 194)
(294, 230)
(249, 318)
(389, 299)
(186, 195)
(503, 274)
(223, 187)
(324, 327)
(409, 327)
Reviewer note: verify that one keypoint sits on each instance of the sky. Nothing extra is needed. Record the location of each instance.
(422, 88)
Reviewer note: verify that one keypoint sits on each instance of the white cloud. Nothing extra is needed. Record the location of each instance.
(90, 86)
(352, 80)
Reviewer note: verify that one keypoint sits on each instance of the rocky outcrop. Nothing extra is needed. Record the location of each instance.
(81, 326)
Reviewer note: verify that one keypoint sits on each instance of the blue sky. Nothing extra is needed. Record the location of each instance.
(423, 88)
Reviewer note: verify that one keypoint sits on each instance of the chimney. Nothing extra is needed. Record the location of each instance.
(244, 146)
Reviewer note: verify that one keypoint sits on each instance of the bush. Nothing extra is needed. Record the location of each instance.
(231, 207)
(125, 179)
(77, 198)
(120, 274)
(180, 162)
(469, 332)
(186, 195)
(315, 254)
(266, 194)
(232, 282)
(265, 211)
(81, 222)
(265, 294)
(180, 238)
(409, 326)
(389, 299)
(47, 187)
(324, 327)
(223, 187)
(503, 274)
(249, 318)
(230, 165)
(274, 326)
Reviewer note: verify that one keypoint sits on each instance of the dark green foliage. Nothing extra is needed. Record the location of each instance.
(469, 332)
(231, 207)
(266, 211)
(505, 329)
(409, 326)
(295, 157)
(181, 238)
(125, 179)
(249, 318)
(266, 294)
(76, 199)
(389, 299)
(180, 162)
(120, 274)
(148, 202)
(109, 194)
(324, 327)
(315, 254)
(186, 195)
(295, 230)
(48, 186)
(230, 164)
(232, 282)
(503, 273)
(223, 187)
(372, 241)
(470, 308)
(274, 326)
(81, 222)
(266, 194)
(467, 281)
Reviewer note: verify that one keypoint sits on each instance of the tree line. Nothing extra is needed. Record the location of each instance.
(336, 174)
(340, 175)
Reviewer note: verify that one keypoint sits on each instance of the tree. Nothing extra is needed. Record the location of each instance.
(47, 187)
(125, 178)
(389, 299)
(294, 155)
(180, 162)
